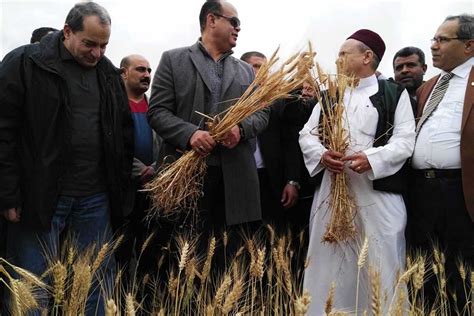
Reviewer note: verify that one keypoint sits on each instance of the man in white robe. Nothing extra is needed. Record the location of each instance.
(381, 215)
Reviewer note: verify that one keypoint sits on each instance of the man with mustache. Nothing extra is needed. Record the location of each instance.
(409, 67)
(136, 77)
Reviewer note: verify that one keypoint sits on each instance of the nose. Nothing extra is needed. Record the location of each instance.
(434, 45)
(237, 28)
(96, 52)
(405, 69)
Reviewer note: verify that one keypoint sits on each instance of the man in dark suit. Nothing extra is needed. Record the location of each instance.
(206, 78)
(442, 192)
(277, 165)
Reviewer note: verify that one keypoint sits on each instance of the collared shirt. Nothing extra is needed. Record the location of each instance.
(84, 166)
(215, 71)
(439, 140)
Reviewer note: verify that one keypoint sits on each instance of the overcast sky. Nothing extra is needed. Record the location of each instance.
(149, 27)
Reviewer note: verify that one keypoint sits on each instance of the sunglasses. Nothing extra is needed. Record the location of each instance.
(234, 21)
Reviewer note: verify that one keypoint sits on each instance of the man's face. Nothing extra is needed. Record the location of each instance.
(137, 75)
(449, 53)
(225, 33)
(308, 91)
(256, 62)
(409, 71)
(351, 55)
(87, 46)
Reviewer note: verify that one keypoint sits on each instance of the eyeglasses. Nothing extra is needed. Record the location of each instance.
(234, 21)
(442, 39)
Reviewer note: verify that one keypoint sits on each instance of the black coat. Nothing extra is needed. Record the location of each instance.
(34, 131)
(281, 158)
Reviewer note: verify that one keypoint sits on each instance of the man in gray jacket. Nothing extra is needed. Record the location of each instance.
(206, 78)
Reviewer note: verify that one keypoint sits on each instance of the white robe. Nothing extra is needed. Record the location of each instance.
(381, 216)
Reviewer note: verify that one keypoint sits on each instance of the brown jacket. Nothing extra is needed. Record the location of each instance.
(467, 135)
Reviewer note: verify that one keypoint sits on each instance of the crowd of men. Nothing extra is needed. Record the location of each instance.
(79, 139)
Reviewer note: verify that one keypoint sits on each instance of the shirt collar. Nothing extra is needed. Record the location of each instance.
(463, 69)
(206, 53)
(367, 82)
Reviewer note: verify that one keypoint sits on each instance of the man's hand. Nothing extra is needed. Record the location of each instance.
(289, 196)
(359, 162)
(232, 138)
(12, 215)
(147, 174)
(332, 161)
(202, 142)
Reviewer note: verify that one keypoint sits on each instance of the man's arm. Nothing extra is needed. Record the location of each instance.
(162, 112)
(11, 116)
(311, 147)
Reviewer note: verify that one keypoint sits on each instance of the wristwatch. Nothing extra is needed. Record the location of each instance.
(295, 184)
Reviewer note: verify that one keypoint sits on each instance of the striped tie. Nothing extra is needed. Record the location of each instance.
(436, 97)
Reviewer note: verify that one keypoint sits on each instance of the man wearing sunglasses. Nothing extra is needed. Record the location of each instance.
(205, 78)
(442, 201)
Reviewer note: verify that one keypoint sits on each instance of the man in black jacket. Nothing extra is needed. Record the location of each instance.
(277, 167)
(66, 139)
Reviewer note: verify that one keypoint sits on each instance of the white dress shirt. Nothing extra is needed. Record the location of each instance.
(257, 154)
(439, 140)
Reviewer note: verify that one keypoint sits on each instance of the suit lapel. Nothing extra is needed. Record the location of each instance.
(230, 69)
(200, 63)
(468, 99)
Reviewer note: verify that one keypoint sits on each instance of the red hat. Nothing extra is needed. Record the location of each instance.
(371, 39)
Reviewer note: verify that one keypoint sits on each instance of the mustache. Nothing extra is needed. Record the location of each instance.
(147, 80)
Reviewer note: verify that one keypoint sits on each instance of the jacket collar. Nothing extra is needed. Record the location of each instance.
(230, 66)
(50, 55)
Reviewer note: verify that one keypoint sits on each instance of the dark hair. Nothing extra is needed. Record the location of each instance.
(466, 25)
(39, 33)
(246, 56)
(210, 6)
(75, 17)
(376, 61)
(408, 51)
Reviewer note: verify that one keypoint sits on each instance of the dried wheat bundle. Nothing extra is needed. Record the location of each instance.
(178, 186)
(335, 137)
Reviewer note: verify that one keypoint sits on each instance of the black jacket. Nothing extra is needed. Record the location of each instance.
(34, 131)
(279, 156)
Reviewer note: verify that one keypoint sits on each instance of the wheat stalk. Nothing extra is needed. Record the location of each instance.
(330, 299)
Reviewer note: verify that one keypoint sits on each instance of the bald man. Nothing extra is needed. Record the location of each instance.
(136, 77)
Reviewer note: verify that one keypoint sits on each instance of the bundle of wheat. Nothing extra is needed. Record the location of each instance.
(179, 185)
(334, 136)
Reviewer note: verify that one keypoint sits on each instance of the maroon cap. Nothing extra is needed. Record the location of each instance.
(371, 39)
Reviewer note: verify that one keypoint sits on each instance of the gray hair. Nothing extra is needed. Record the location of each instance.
(75, 17)
(466, 25)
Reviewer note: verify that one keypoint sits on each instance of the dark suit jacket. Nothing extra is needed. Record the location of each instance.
(281, 160)
(180, 88)
(467, 135)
